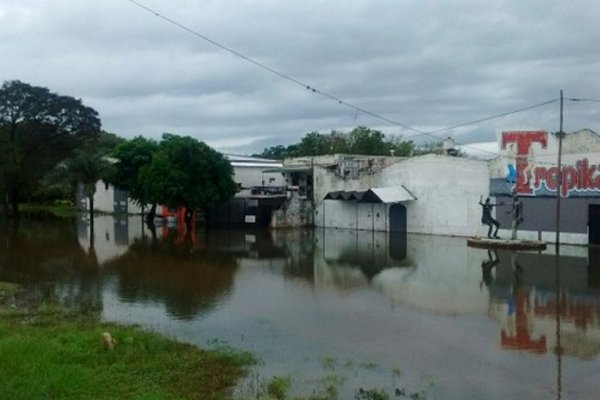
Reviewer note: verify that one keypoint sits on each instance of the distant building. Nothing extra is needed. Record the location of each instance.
(249, 175)
(109, 199)
(262, 189)
(528, 166)
(253, 174)
(432, 194)
(439, 194)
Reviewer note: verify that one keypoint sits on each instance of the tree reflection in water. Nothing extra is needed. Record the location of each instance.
(187, 277)
(47, 258)
(430, 300)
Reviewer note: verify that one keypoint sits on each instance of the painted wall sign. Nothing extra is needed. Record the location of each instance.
(531, 167)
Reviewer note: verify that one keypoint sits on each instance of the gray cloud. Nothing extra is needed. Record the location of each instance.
(428, 65)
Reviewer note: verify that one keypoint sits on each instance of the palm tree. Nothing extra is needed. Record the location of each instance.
(85, 168)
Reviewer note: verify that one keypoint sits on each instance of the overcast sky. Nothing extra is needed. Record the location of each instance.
(422, 64)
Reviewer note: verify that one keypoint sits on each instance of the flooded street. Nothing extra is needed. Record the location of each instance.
(337, 310)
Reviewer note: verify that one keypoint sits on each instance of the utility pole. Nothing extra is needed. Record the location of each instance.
(558, 350)
(560, 134)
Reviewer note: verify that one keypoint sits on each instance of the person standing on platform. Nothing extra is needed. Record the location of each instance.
(486, 216)
(516, 212)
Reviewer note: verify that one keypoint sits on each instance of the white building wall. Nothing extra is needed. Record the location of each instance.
(380, 217)
(364, 216)
(339, 214)
(254, 176)
(447, 190)
(369, 216)
(248, 176)
(103, 198)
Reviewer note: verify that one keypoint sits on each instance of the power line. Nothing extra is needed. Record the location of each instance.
(583, 100)
(270, 69)
(340, 101)
(320, 92)
(489, 118)
(484, 119)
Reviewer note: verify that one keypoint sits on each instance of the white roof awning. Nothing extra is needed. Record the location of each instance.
(393, 194)
(390, 194)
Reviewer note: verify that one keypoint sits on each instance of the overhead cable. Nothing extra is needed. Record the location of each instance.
(418, 132)
(320, 92)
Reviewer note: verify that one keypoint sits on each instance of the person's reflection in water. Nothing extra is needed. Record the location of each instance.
(517, 269)
(486, 268)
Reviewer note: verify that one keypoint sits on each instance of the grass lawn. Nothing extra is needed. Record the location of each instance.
(50, 352)
(58, 209)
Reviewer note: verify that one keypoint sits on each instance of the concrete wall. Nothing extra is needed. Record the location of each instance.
(296, 212)
(447, 191)
(372, 216)
(339, 214)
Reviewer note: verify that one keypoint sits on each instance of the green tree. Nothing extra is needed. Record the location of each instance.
(273, 152)
(361, 140)
(107, 142)
(52, 187)
(185, 172)
(313, 144)
(279, 152)
(337, 143)
(38, 129)
(401, 148)
(436, 147)
(368, 141)
(131, 156)
(83, 170)
(317, 144)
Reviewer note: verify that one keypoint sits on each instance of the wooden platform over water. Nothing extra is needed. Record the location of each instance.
(486, 243)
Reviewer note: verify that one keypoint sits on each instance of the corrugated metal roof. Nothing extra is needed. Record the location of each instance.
(390, 194)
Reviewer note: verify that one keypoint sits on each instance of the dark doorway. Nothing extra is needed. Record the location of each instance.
(398, 218)
(397, 234)
(594, 224)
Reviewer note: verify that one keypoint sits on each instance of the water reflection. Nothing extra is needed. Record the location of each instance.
(112, 235)
(47, 257)
(348, 258)
(439, 275)
(187, 281)
(527, 301)
(461, 315)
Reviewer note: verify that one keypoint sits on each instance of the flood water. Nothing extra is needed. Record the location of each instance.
(351, 310)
